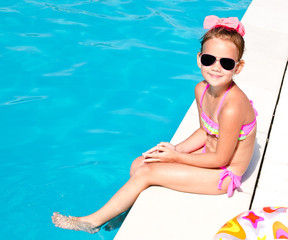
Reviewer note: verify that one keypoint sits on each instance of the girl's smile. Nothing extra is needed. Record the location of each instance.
(215, 76)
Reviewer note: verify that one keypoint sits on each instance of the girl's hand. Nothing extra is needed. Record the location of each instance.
(163, 152)
(162, 144)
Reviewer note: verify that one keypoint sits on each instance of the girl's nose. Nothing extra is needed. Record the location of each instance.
(217, 66)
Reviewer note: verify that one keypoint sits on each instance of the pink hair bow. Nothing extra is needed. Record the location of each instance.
(231, 22)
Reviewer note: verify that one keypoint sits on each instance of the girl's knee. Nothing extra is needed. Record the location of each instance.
(146, 173)
(135, 165)
(142, 176)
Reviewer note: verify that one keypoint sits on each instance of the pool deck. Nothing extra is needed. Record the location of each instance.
(160, 213)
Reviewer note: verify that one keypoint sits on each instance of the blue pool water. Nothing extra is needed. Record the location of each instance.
(87, 86)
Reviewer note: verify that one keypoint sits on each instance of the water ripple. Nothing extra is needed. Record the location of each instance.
(30, 49)
(188, 77)
(188, 31)
(103, 131)
(127, 44)
(65, 72)
(6, 9)
(239, 5)
(129, 111)
(135, 17)
(65, 22)
(83, 164)
(107, 2)
(66, 9)
(79, 11)
(35, 34)
(24, 99)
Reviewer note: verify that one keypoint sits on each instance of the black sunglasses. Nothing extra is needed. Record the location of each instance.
(226, 63)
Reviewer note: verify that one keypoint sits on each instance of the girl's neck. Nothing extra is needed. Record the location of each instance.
(216, 92)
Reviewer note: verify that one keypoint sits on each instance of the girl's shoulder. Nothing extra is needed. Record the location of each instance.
(199, 89)
(238, 103)
(237, 96)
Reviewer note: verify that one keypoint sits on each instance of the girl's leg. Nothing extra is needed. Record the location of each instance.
(118, 204)
(138, 162)
(179, 177)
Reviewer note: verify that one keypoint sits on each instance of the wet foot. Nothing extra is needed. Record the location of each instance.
(73, 223)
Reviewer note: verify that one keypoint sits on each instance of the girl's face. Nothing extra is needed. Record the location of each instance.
(215, 74)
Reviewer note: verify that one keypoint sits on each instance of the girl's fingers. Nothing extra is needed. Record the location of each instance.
(163, 144)
(166, 144)
(163, 148)
(155, 154)
(151, 160)
(160, 147)
(150, 155)
(151, 150)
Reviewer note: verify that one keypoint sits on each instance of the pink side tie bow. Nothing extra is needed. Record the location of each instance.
(235, 181)
(231, 22)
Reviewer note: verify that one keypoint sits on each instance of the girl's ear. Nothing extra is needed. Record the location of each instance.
(198, 60)
(239, 66)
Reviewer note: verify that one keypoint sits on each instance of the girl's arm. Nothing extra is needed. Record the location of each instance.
(230, 123)
(199, 137)
(192, 143)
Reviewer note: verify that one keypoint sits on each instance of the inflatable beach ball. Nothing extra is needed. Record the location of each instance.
(258, 224)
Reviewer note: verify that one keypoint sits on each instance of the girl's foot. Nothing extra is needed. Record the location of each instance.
(73, 223)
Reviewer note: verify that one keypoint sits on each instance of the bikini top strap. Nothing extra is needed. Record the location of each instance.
(225, 94)
(203, 93)
(256, 113)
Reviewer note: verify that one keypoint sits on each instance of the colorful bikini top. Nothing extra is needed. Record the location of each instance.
(212, 128)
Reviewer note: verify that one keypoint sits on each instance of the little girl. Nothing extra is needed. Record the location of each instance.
(213, 159)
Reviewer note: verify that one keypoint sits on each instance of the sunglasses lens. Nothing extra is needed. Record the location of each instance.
(227, 63)
(207, 60)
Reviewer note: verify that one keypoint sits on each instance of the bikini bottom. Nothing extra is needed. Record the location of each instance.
(235, 180)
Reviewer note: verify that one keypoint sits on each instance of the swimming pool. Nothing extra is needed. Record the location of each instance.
(86, 87)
